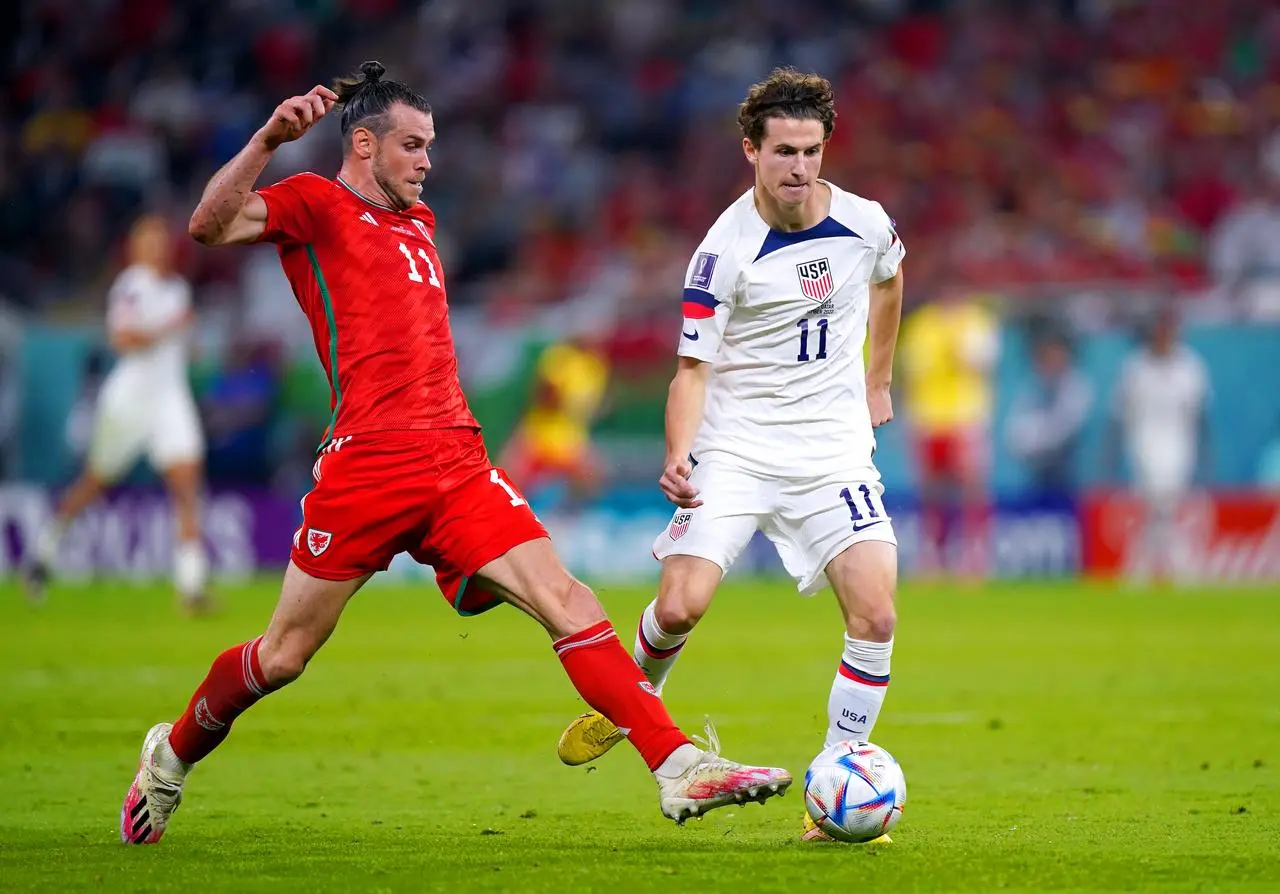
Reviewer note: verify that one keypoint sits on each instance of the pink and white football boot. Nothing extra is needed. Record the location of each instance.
(156, 791)
(710, 781)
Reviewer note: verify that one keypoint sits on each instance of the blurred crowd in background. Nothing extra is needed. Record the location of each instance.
(1066, 164)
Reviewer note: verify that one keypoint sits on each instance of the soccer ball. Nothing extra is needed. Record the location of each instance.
(855, 791)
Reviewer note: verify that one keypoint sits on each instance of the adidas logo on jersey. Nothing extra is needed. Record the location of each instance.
(368, 217)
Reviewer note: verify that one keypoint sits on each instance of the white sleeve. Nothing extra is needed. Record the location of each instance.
(709, 291)
(889, 248)
(127, 302)
(177, 307)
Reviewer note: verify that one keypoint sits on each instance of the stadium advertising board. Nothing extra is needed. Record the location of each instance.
(1219, 536)
(130, 533)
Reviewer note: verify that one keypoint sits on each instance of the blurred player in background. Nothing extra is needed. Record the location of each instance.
(552, 443)
(144, 408)
(1047, 417)
(1160, 413)
(770, 415)
(949, 349)
(403, 467)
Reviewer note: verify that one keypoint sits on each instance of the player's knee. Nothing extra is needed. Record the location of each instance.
(875, 622)
(281, 664)
(567, 606)
(677, 614)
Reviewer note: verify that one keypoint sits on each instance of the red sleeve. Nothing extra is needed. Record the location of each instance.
(294, 206)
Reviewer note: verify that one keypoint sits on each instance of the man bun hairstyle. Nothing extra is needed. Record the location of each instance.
(366, 99)
(787, 93)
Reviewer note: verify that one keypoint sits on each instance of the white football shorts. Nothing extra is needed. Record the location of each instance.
(809, 520)
(163, 425)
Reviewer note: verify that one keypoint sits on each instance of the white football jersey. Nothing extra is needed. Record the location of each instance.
(782, 318)
(1159, 401)
(142, 300)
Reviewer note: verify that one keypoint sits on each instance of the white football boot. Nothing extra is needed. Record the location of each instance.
(156, 791)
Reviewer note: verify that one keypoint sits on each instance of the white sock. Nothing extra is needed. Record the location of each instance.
(678, 761)
(169, 762)
(46, 551)
(190, 568)
(656, 650)
(858, 691)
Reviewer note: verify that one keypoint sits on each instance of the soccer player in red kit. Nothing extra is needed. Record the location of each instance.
(403, 467)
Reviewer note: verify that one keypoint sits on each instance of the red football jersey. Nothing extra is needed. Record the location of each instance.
(371, 284)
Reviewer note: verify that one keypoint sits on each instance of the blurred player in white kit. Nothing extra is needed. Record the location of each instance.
(145, 407)
(1160, 414)
(769, 418)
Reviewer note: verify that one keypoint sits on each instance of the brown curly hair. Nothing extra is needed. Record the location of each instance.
(787, 93)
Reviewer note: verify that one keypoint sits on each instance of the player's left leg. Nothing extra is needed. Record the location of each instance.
(864, 577)
(685, 590)
(190, 563)
(836, 530)
(691, 781)
(305, 616)
(696, 549)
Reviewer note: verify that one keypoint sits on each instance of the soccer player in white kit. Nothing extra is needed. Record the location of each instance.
(1160, 406)
(769, 418)
(144, 407)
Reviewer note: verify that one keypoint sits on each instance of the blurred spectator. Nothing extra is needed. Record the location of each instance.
(948, 350)
(1048, 416)
(551, 448)
(1244, 253)
(1160, 414)
(1043, 142)
(237, 406)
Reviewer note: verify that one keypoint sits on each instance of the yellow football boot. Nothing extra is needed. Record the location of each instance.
(587, 738)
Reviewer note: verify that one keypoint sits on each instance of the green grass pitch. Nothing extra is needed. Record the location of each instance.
(1055, 737)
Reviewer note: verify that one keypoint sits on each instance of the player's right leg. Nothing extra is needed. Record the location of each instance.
(305, 616)
(685, 590)
(691, 781)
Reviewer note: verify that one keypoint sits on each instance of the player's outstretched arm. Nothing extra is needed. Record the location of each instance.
(230, 211)
(882, 331)
(127, 339)
(685, 401)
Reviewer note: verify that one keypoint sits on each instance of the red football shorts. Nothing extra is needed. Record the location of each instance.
(434, 495)
(958, 454)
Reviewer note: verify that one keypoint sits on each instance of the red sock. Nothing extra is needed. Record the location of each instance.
(234, 684)
(610, 681)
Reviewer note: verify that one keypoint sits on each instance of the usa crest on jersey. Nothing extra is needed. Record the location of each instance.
(815, 279)
(680, 524)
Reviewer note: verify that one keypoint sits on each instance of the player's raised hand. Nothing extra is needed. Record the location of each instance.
(675, 484)
(296, 115)
(880, 405)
